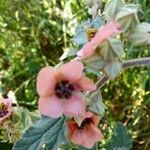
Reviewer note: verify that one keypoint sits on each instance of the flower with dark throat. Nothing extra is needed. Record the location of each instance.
(87, 134)
(60, 90)
(5, 108)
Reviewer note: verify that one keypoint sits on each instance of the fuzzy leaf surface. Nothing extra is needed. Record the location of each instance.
(47, 132)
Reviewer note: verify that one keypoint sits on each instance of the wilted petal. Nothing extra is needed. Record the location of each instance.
(7, 107)
(46, 81)
(8, 102)
(86, 51)
(71, 71)
(86, 84)
(50, 106)
(6, 116)
(103, 33)
(74, 106)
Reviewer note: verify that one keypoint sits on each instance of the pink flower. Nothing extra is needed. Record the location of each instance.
(5, 108)
(87, 134)
(103, 33)
(60, 90)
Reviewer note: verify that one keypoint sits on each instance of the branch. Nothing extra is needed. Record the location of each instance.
(136, 63)
(125, 65)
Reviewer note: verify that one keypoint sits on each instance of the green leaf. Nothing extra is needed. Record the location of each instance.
(91, 70)
(127, 18)
(111, 49)
(97, 106)
(68, 53)
(68, 146)
(96, 62)
(141, 35)
(28, 118)
(112, 8)
(112, 69)
(120, 140)
(47, 132)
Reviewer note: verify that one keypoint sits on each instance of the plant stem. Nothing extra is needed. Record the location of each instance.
(125, 65)
(136, 62)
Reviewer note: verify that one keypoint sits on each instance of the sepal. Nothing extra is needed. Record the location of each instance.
(97, 106)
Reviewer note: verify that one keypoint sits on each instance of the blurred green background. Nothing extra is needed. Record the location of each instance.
(34, 33)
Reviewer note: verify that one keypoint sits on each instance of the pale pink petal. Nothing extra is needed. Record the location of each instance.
(86, 84)
(71, 71)
(50, 106)
(86, 137)
(90, 136)
(88, 114)
(75, 106)
(46, 81)
(86, 51)
(78, 137)
(95, 119)
(8, 102)
(103, 33)
(97, 135)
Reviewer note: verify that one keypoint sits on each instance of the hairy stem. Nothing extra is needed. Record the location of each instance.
(136, 63)
(125, 65)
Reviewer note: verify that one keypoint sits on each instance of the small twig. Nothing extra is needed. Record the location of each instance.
(136, 63)
(125, 65)
(100, 83)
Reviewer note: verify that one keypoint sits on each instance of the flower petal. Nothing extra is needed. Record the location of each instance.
(86, 84)
(86, 137)
(95, 119)
(8, 114)
(86, 51)
(103, 33)
(97, 135)
(46, 81)
(71, 71)
(72, 126)
(75, 106)
(50, 106)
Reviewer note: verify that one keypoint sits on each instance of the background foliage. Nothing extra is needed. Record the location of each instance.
(35, 33)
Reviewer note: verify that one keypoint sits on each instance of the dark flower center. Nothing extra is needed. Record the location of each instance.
(3, 113)
(3, 110)
(91, 33)
(85, 122)
(64, 89)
